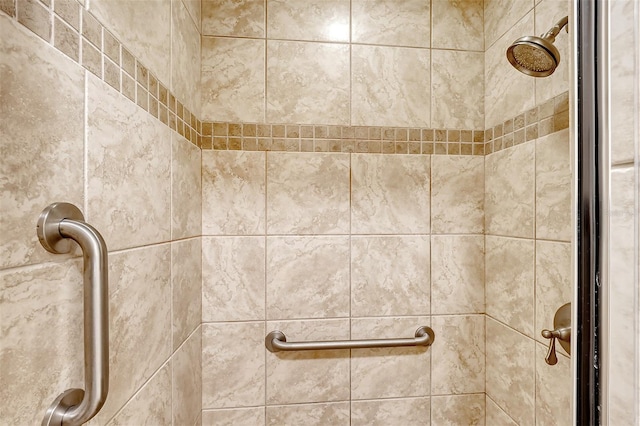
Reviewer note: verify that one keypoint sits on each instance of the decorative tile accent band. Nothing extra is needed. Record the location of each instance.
(74, 31)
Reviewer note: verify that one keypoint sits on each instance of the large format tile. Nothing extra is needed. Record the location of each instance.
(554, 387)
(187, 381)
(186, 288)
(511, 372)
(233, 193)
(307, 83)
(458, 410)
(548, 12)
(308, 193)
(390, 86)
(233, 368)
(457, 194)
(389, 372)
(233, 18)
(510, 282)
(335, 414)
(186, 188)
(390, 275)
(308, 376)
(553, 284)
(307, 277)
(144, 27)
(129, 169)
(41, 317)
(495, 415)
(458, 354)
(501, 15)
(317, 20)
(380, 412)
(233, 79)
(151, 405)
(383, 22)
(510, 191)
(140, 317)
(508, 92)
(390, 194)
(41, 128)
(553, 187)
(185, 57)
(234, 417)
(458, 25)
(457, 89)
(233, 278)
(457, 274)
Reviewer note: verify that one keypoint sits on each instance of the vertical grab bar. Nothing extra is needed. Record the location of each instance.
(58, 223)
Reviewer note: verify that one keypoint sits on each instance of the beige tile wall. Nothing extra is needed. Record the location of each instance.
(354, 259)
(528, 220)
(71, 137)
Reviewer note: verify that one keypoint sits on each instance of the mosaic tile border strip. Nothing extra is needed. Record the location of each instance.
(69, 27)
(73, 30)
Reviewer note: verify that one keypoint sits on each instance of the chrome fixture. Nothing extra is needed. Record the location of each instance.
(276, 341)
(561, 332)
(58, 223)
(537, 56)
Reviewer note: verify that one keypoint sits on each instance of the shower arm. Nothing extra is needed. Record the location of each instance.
(555, 30)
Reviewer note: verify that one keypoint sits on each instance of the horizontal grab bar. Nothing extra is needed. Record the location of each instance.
(276, 341)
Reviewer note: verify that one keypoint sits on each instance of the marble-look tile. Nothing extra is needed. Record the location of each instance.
(234, 417)
(41, 128)
(309, 376)
(495, 416)
(623, 54)
(452, 410)
(383, 22)
(317, 20)
(404, 411)
(185, 57)
(547, 13)
(553, 284)
(41, 315)
(509, 281)
(457, 89)
(233, 364)
(233, 79)
(144, 27)
(233, 193)
(233, 18)
(35, 16)
(186, 188)
(390, 275)
(151, 405)
(510, 369)
(623, 262)
(457, 194)
(307, 83)
(308, 193)
(502, 15)
(510, 191)
(508, 92)
(307, 277)
(458, 354)
(335, 414)
(389, 372)
(390, 86)
(195, 10)
(457, 25)
(140, 317)
(553, 187)
(186, 288)
(233, 274)
(554, 387)
(390, 194)
(187, 381)
(129, 170)
(457, 274)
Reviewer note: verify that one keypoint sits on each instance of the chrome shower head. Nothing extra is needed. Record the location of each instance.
(536, 56)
